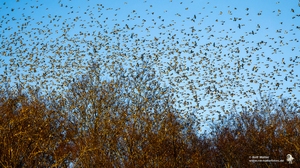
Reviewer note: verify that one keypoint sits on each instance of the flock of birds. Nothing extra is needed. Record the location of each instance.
(213, 57)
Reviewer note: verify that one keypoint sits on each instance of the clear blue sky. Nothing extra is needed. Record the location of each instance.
(224, 49)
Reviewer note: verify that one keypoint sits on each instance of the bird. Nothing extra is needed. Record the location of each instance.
(289, 158)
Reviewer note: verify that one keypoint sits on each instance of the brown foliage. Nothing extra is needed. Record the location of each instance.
(31, 135)
(260, 133)
(104, 125)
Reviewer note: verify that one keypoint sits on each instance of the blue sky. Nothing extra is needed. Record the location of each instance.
(225, 50)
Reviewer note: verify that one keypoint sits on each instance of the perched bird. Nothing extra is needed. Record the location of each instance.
(289, 158)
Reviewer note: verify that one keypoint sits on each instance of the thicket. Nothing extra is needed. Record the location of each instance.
(130, 121)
